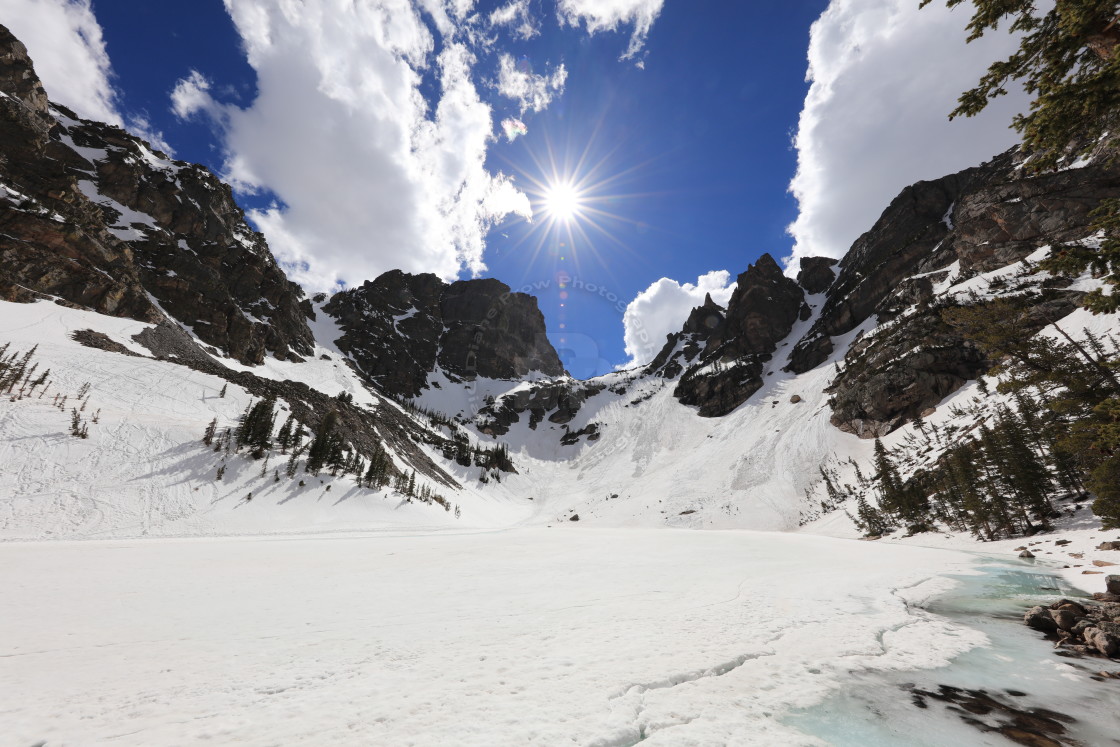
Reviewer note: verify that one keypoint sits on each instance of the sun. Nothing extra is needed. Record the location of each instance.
(562, 201)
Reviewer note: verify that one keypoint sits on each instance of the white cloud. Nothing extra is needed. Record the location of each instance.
(609, 15)
(885, 76)
(191, 95)
(517, 17)
(662, 309)
(141, 126)
(66, 46)
(368, 176)
(517, 81)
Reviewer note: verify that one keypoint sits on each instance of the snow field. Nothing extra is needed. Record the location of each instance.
(143, 470)
(534, 636)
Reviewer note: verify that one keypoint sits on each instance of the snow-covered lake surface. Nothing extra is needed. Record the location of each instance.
(534, 636)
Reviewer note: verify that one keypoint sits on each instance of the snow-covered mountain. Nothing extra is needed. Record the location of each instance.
(136, 281)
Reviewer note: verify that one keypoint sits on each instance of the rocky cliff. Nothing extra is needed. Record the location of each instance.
(963, 225)
(400, 328)
(135, 227)
(719, 353)
(53, 241)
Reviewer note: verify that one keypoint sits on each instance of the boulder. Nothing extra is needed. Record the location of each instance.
(1026, 555)
(1105, 643)
(1112, 584)
(1064, 619)
(1069, 606)
(1040, 619)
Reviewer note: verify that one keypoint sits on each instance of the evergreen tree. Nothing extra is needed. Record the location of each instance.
(255, 429)
(208, 435)
(320, 449)
(284, 437)
(293, 462)
(1066, 59)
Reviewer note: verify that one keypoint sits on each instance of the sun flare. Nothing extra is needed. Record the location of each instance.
(562, 201)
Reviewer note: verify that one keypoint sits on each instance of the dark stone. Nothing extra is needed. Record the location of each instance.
(1040, 619)
(400, 327)
(1112, 584)
(986, 217)
(897, 373)
(196, 256)
(1069, 605)
(574, 517)
(54, 241)
(763, 309)
(591, 431)
(816, 274)
(1105, 643)
(101, 341)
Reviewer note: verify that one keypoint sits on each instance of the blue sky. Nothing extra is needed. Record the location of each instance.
(682, 124)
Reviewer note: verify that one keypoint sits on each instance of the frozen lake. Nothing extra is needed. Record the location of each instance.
(536, 636)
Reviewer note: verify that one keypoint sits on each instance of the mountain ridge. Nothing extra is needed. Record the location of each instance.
(456, 384)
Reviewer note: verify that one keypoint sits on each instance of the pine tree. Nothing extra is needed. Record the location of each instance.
(1066, 59)
(293, 462)
(320, 449)
(255, 427)
(208, 435)
(284, 437)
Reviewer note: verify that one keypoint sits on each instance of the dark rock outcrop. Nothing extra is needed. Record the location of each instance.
(401, 327)
(908, 238)
(558, 401)
(53, 241)
(1081, 627)
(816, 274)
(97, 218)
(983, 218)
(682, 348)
(194, 251)
(761, 313)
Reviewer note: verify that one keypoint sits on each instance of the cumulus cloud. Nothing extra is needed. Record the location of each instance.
(662, 308)
(884, 77)
(517, 17)
(609, 15)
(367, 174)
(532, 92)
(64, 40)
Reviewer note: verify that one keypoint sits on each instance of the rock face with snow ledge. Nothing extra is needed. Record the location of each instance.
(972, 222)
(761, 313)
(54, 241)
(400, 328)
(131, 222)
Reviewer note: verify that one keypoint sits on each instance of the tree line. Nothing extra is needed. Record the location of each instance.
(1055, 434)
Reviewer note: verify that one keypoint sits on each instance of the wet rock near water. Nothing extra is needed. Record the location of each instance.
(997, 713)
(1082, 627)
